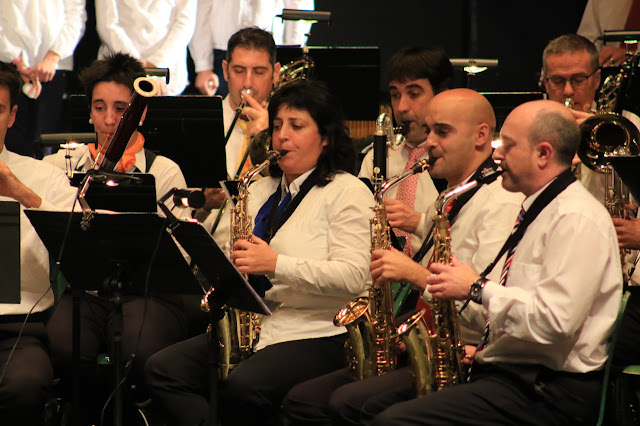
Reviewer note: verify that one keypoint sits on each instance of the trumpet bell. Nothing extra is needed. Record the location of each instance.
(607, 135)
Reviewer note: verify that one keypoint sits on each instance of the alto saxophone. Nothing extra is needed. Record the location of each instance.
(371, 348)
(433, 344)
(237, 330)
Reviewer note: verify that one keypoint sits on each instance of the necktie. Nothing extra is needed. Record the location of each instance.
(245, 145)
(484, 340)
(407, 190)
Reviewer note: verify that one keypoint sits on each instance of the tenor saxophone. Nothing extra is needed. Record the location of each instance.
(432, 339)
(371, 348)
(237, 330)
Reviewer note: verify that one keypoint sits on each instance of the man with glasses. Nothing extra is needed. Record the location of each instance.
(571, 75)
(570, 71)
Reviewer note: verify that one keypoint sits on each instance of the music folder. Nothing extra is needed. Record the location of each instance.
(10, 249)
(230, 286)
(116, 242)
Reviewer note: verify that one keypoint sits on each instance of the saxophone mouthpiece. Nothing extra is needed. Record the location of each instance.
(420, 166)
(283, 152)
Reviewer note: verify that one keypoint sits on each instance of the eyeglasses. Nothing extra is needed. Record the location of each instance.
(576, 81)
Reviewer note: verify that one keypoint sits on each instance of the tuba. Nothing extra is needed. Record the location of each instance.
(609, 135)
(237, 329)
(371, 348)
(432, 339)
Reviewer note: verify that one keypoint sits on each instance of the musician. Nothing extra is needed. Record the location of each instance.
(109, 88)
(317, 261)
(460, 124)
(26, 373)
(415, 76)
(570, 71)
(550, 321)
(250, 66)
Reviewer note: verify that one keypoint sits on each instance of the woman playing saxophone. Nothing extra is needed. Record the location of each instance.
(315, 252)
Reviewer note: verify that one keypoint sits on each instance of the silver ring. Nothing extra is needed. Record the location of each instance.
(210, 83)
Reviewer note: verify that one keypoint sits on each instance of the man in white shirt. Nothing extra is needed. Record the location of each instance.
(250, 66)
(218, 20)
(27, 374)
(551, 314)
(39, 37)
(460, 125)
(415, 76)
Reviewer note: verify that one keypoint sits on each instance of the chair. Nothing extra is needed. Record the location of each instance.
(607, 368)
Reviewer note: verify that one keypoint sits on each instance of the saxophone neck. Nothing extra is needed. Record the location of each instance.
(419, 167)
(487, 175)
(248, 176)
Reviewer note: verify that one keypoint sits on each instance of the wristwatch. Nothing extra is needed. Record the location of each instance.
(475, 291)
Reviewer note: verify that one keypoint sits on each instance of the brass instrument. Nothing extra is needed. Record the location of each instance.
(436, 352)
(608, 135)
(237, 330)
(371, 348)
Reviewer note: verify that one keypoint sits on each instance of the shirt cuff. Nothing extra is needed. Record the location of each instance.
(490, 288)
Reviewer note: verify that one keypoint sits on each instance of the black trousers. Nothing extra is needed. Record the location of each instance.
(147, 326)
(252, 394)
(505, 394)
(27, 376)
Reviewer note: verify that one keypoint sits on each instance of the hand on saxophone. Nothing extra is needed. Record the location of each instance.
(628, 231)
(257, 114)
(395, 266)
(254, 257)
(402, 216)
(451, 281)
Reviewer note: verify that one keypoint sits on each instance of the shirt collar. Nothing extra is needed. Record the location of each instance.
(294, 188)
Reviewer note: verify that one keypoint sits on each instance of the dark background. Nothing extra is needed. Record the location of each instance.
(514, 32)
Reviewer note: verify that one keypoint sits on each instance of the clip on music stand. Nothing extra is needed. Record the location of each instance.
(113, 253)
(229, 287)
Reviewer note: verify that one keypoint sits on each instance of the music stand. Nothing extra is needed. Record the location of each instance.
(120, 192)
(113, 254)
(187, 129)
(10, 249)
(229, 287)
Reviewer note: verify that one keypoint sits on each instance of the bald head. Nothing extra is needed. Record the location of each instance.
(551, 122)
(470, 106)
(461, 126)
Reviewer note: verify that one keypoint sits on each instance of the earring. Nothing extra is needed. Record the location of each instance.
(91, 121)
(140, 123)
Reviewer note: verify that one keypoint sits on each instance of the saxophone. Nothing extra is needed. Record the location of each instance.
(237, 329)
(371, 348)
(433, 343)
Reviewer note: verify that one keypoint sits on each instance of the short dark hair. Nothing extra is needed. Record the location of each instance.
(416, 62)
(324, 108)
(253, 38)
(10, 78)
(119, 68)
(561, 132)
(571, 43)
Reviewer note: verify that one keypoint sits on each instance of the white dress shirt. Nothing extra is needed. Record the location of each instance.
(477, 235)
(156, 30)
(166, 172)
(603, 15)
(52, 186)
(323, 257)
(426, 192)
(218, 20)
(563, 289)
(31, 28)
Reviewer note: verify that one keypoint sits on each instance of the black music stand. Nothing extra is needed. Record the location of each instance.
(113, 254)
(187, 129)
(10, 249)
(229, 287)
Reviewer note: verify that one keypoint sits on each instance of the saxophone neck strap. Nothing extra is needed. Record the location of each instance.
(458, 204)
(558, 185)
(275, 222)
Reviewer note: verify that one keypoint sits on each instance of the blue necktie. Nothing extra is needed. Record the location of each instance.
(261, 283)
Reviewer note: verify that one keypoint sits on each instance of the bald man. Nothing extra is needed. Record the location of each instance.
(460, 124)
(551, 315)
